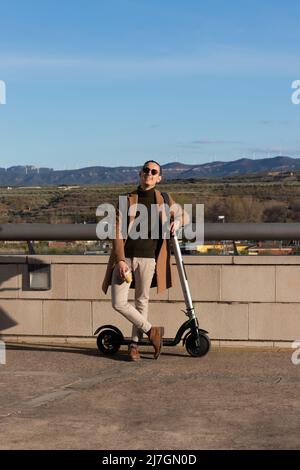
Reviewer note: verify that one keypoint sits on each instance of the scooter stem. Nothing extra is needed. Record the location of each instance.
(183, 278)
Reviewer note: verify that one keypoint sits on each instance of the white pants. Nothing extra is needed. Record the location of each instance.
(142, 270)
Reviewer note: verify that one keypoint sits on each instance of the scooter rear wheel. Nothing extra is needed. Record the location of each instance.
(109, 342)
(193, 349)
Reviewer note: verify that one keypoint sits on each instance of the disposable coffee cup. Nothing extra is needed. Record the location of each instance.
(128, 277)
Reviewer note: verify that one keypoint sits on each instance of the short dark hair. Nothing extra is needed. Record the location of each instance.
(156, 163)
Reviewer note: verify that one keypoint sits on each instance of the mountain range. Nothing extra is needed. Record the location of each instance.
(32, 176)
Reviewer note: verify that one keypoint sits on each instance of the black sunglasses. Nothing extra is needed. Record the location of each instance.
(148, 170)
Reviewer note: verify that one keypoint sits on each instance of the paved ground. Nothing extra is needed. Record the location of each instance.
(73, 398)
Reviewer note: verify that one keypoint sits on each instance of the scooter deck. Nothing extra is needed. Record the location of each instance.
(146, 342)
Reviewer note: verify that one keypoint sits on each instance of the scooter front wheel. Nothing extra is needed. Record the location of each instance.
(194, 349)
(109, 341)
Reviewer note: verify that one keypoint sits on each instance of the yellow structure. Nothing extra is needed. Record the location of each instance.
(219, 247)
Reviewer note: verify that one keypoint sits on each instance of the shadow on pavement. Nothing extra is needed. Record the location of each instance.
(120, 356)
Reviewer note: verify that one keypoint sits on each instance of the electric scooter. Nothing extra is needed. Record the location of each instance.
(195, 340)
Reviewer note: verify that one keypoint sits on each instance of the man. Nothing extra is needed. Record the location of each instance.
(148, 259)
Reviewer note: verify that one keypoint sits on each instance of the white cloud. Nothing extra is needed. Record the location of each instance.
(286, 151)
(200, 142)
(216, 141)
(213, 59)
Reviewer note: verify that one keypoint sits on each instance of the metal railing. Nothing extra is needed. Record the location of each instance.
(212, 231)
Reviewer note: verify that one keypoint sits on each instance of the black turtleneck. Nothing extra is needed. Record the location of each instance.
(141, 248)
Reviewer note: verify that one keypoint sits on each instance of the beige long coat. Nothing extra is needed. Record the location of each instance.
(162, 278)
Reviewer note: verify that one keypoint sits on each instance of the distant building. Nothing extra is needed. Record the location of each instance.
(271, 251)
(57, 244)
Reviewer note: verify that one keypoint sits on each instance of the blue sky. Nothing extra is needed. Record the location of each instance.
(116, 82)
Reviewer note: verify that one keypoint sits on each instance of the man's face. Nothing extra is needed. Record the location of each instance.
(147, 178)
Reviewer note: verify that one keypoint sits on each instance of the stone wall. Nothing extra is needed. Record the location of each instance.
(240, 300)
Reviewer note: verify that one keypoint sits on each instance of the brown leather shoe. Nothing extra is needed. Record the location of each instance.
(155, 336)
(133, 352)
